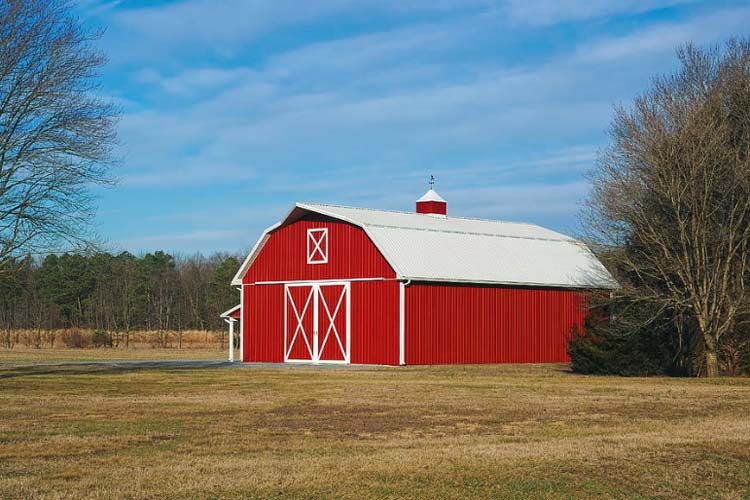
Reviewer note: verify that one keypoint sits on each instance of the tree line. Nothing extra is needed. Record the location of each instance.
(117, 293)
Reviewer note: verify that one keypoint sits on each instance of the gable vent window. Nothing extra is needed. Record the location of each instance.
(317, 246)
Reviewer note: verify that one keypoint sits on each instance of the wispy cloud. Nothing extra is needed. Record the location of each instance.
(236, 110)
(254, 114)
(546, 12)
(194, 81)
(199, 26)
(665, 37)
(94, 8)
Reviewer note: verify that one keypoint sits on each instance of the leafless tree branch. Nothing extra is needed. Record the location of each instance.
(56, 134)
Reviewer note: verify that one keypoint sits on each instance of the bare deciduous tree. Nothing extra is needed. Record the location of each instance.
(56, 135)
(673, 191)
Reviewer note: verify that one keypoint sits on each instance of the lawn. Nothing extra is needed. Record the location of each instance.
(424, 432)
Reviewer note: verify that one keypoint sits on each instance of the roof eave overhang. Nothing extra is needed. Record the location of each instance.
(237, 280)
(570, 286)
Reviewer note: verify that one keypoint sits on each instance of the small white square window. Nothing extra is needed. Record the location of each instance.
(317, 246)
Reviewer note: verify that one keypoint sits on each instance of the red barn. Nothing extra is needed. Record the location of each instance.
(351, 285)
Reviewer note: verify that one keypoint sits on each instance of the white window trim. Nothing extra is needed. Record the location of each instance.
(320, 245)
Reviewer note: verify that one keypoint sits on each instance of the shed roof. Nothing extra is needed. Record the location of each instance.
(422, 247)
(234, 312)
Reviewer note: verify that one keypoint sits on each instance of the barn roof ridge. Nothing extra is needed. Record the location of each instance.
(549, 235)
(473, 233)
(446, 217)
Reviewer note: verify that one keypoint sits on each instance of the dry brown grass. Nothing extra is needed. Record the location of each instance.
(51, 339)
(142, 345)
(424, 432)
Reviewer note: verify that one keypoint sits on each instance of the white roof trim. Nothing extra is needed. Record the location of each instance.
(237, 280)
(226, 313)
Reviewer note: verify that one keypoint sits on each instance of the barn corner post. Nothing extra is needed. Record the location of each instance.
(231, 317)
(402, 321)
(242, 323)
(348, 292)
(231, 322)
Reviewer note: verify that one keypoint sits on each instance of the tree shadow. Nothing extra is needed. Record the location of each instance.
(104, 368)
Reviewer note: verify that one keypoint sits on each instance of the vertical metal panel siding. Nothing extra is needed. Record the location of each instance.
(374, 323)
(432, 207)
(263, 319)
(351, 255)
(470, 324)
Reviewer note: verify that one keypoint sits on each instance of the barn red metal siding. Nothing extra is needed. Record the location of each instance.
(263, 323)
(448, 324)
(351, 255)
(432, 207)
(375, 322)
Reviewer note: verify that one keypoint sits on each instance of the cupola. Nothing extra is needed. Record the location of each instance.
(431, 202)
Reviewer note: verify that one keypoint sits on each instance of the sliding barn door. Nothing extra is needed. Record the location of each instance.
(299, 331)
(317, 319)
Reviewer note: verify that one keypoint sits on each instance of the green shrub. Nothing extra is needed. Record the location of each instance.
(638, 354)
(617, 346)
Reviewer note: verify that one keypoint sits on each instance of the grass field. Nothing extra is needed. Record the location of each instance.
(424, 432)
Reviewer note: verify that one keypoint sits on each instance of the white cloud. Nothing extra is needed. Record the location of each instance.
(571, 161)
(364, 119)
(94, 8)
(546, 12)
(552, 205)
(667, 36)
(199, 25)
(243, 121)
(194, 81)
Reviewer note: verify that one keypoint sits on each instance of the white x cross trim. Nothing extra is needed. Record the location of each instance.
(317, 246)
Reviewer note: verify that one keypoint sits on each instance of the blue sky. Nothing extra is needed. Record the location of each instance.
(233, 110)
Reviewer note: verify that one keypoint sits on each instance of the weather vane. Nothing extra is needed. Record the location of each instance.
(432, 181)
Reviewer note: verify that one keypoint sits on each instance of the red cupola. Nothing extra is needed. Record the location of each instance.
(431, 202)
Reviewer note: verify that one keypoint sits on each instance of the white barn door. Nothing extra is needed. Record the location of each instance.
(317, 322)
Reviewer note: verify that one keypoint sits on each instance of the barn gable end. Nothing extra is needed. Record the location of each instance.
(351, 280)
(349, 253)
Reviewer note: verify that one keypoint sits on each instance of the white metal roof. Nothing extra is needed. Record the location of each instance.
(431, 195)
(421, 247)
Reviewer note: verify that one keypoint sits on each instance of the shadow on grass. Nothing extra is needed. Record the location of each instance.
(104, 368)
